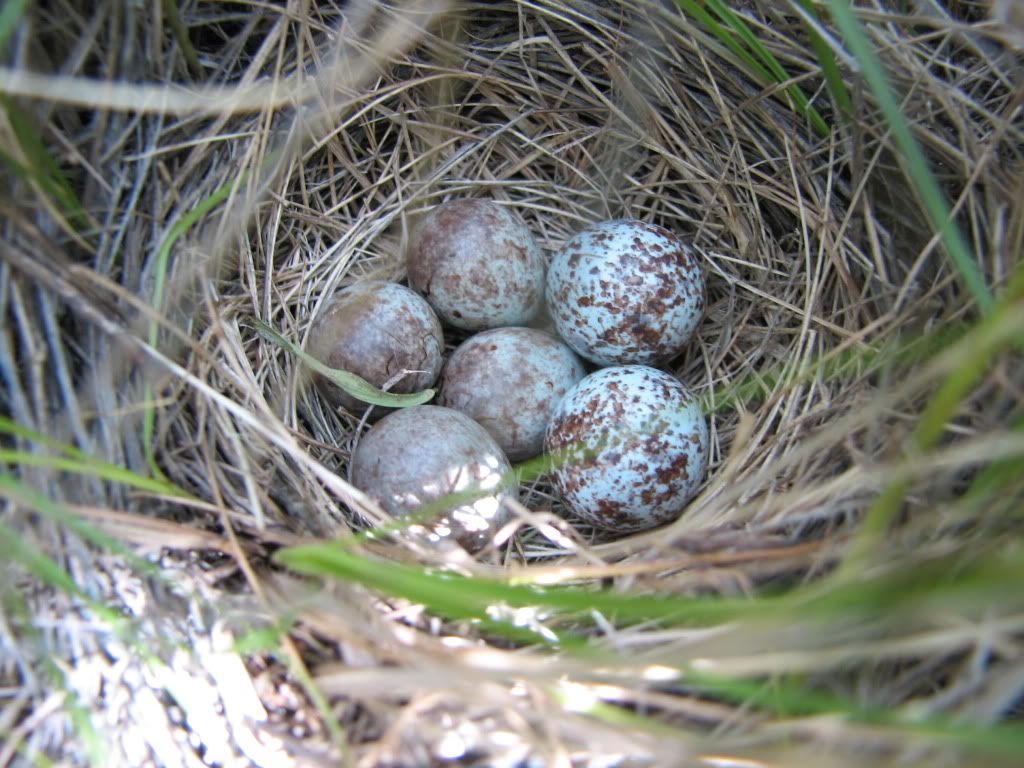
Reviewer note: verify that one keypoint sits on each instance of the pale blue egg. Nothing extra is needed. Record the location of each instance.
(385, 333)
(419, 456)
(624, 291)
(477, 264)
(509, 380)
(629, 446)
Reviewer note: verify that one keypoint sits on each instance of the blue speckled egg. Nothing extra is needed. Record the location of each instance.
(477, 265)
(630, 448)
(417, 456)
(509, 380)
(624, 291)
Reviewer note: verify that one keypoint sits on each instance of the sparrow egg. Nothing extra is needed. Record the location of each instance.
(629, 446)
(624, 291)
(509, 380)
(424, 454)
(377, 330)
(477, 265)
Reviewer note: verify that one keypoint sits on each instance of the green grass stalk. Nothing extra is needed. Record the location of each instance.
(996, 331)
(913, 157)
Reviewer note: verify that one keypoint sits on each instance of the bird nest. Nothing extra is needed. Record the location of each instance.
(285, 151)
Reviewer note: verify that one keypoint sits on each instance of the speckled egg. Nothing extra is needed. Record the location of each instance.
(509, 381)
(415, 456)
(624, 291)
(376, 330)
(477, 265)
(630, 448)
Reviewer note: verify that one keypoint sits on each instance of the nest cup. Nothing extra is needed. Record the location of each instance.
(568, 114)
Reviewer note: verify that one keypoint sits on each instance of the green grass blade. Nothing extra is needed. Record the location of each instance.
(913, 591)
(997, 476)
(577, 697)
(784, 698)
(777, 71)
(11, 12)
(827, 61)
(45, 175)
(163, 258)
(15, 490)
(11, 427)
(320, 701)
(755, 69)
(788, 699)
(960, 584)
(356, 386)
(1001, 328)
(14, 547)
(455, 597)
(81, 718)
(75, 460)
(462, 597)
(991, 336)
(696, 10)
(917, 167)
(93, 467)
(180, 31)
(263, 639)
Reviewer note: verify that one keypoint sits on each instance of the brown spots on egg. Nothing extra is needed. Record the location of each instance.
(477, 265)
(510, 380)
(626, 439)
(377, 330)
(624, 291)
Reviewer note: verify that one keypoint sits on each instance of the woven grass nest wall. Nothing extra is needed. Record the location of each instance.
(842, 590)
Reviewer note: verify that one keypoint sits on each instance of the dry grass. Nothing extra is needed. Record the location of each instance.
(322, 132)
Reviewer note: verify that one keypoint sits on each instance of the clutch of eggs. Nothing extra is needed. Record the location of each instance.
(629, 442)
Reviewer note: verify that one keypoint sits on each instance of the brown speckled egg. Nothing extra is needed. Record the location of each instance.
(415, 456)
(376, 330)
(509, 380)
(624, 291)
(629, 446)
(477, 265)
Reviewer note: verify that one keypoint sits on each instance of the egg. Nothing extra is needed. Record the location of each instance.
(626, 292)
(376, 330)
(629, 447)
(509, 380)
(477, 265)
(420, 456)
